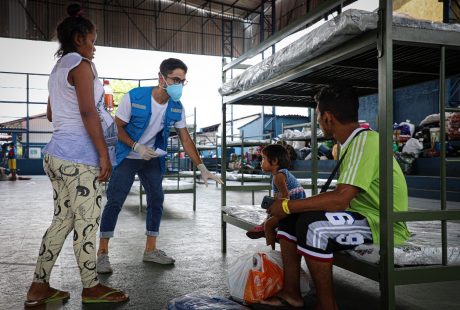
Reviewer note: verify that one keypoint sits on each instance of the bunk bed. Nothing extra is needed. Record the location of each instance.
(174, 180)
(305, 135)
(257, 182)
(375, 53)
(209, 146)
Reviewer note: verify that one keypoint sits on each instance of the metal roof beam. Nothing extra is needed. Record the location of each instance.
(136, 26)
(233, 6)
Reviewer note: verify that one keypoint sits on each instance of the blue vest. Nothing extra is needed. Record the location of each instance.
(141, 111)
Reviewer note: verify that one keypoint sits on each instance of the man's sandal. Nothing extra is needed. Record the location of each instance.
(57, 296)
(104, 298)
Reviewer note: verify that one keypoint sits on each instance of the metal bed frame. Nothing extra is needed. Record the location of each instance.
(177, 176)
(242, 144)
(376, 61)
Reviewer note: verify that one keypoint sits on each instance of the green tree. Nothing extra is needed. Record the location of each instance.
(120, 87)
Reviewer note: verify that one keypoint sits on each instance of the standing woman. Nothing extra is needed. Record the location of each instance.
(77, 159)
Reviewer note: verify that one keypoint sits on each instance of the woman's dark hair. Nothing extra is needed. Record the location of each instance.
(74, 24)
(277, 152)
(341, 101)
(169, 65)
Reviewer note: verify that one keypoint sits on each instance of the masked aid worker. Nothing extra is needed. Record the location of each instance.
(144, 118)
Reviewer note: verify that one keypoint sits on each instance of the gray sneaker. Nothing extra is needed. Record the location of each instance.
(158, 256)
(103, 264)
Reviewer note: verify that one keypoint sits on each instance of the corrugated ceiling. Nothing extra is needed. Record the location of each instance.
(215, 27)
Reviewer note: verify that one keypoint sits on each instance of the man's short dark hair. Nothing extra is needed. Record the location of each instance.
(169, 65)
(341, 101)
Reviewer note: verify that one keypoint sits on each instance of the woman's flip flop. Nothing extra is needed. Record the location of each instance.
(57, 296)
(104, 299)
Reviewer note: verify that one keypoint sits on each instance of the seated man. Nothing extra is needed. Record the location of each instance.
(317, 226)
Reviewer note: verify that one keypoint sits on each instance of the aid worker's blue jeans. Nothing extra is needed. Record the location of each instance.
(120, 183)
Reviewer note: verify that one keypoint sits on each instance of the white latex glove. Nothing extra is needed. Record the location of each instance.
(205, 174)
(146, 152)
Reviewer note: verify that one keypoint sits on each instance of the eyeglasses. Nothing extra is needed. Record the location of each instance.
(177, 80)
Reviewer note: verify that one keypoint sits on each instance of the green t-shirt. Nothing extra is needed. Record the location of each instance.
(360, 168)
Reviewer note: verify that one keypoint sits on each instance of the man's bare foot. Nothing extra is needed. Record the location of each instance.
(102, 293)
(282, 299)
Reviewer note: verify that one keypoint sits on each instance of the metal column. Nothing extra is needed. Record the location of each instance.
(385, 63)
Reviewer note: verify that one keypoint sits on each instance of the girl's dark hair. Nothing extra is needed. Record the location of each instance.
(277, 152)
(71, 26)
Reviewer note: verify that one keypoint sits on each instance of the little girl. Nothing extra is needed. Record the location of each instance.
(275, 159)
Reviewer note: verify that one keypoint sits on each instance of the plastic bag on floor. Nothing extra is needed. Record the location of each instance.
(203, 302)
(254, 277)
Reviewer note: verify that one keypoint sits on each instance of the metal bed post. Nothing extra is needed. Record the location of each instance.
(442, 145)
(223, 170)
(385, 95)
(242, 157)
(179, 145)
(25, 153)
(217, 156)
(194, 166)
(314, 153)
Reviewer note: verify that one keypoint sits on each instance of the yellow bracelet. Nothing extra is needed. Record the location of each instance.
(285, 206)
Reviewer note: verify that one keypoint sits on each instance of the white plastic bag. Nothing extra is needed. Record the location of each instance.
(413, 146)
(254, 277)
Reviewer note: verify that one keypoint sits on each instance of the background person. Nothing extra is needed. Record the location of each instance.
(340, 219)
(144, 118)
(275, 159)
(12, 161)
(80, 121)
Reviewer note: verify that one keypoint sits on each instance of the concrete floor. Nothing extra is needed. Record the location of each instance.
(26, 210)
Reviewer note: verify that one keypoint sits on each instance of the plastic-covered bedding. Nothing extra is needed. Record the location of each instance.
(167, 185)
(205, 147)
(297, 135)
(189, 173)
(423, 247)
(232, 176)
(257, 177)
(248, 213)
(248, 142)
(334, 32)
(319, 181)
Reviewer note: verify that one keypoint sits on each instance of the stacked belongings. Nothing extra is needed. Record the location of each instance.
(453, 126)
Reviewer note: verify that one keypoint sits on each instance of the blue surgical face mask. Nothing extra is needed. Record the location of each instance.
(174, 90)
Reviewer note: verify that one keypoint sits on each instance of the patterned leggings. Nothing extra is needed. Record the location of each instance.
(77, 206)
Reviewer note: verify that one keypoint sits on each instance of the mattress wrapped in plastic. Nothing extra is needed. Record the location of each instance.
(167, 185)
(332, 33)
(423, 247)
(248, 213)
(190, 173)
(320, 182)
(252, 142)
(235, 176)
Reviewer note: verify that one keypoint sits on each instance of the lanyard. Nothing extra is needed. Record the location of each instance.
(325, 187)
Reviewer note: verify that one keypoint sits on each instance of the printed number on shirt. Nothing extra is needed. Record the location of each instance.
(339, 218)
(350, 239)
